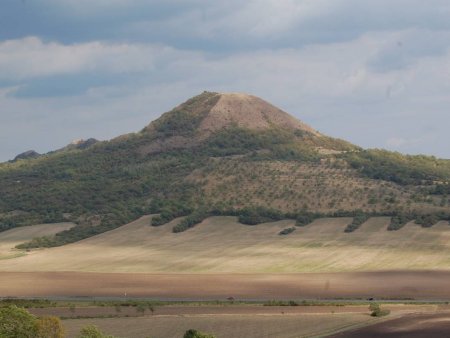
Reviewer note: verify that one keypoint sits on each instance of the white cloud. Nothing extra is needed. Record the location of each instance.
(31, 57)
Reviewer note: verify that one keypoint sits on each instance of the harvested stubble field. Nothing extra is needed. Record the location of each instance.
(222, 245)
(9, 239)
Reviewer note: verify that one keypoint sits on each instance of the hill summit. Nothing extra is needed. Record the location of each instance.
(215, 111)
(231, 115)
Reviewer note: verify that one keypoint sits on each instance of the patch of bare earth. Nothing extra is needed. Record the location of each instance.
(424, 285)
(250, 112)
(409, 326)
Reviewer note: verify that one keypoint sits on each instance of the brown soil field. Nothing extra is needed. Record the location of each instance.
(419, 285)
(435, 325)
(222, 326)
(250, 321)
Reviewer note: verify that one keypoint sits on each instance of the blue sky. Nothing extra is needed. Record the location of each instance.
(376, 73)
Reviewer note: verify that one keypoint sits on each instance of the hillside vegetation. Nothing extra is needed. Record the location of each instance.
(218, 154)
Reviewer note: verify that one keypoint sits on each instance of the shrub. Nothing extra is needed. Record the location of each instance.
(304, 219)
(190, 221)
(92, 331)
(258, 215)
(286, 231)
(141, 308)
(376, 311)
(196, 334)
(398, 222)
(427, 221)
(49, 327)
(358, 220)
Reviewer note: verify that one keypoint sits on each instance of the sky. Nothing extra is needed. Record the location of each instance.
(376, 73)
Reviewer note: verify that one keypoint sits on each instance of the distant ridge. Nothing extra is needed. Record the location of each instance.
(26, 155)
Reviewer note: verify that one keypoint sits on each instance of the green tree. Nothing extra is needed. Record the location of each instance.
(17, 323)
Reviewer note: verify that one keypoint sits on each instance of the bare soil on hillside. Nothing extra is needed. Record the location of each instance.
(410, 285)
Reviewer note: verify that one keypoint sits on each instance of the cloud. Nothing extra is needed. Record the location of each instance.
(31, 57)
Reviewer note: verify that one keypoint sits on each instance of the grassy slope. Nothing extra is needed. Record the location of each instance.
(9, 239)
(220, 244)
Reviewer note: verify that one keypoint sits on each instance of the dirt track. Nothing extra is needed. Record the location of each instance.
(421, 285)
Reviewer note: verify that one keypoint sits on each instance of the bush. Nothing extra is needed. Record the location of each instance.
(258, 215)
(398, 222)
(196, 334)
(427, 221)
(92, 331)
(305, 219)
(358, 220)
(376, 311)
(169, 210)
(49, 327)
(286, 231)
(190, 221)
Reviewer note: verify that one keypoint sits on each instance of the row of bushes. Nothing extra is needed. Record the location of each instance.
(170, 212)
(258, 215)
(190, 221)
(358, 220)
(79, 232)
(398, 222)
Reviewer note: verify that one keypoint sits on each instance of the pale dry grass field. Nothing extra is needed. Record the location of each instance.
(9, 239)
(222, 245)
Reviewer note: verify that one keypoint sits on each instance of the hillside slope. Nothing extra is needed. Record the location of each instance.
(218, 153)
(221, 244)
